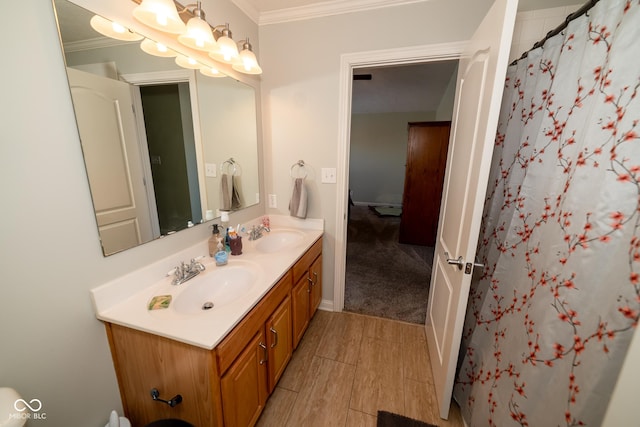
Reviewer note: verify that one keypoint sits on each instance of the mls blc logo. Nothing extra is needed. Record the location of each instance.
(34, 405)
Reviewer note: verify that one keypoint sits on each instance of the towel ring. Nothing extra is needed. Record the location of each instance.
(229, 164)
(301, 169)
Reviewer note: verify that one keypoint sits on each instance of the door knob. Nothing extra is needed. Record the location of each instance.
(455, 261)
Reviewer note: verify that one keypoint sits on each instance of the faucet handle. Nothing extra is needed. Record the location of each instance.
(174, 271)
(196, 264)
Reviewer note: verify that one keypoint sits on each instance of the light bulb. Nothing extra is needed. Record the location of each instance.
(118, 28)
(159, 14)
(198, 34)
(247, 62)
(156, 49)
(113, 29)
(227, 50)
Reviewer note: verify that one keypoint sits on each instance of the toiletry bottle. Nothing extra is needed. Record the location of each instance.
(213, 240)
(224, 219)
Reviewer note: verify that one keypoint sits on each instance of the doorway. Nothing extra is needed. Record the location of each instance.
(170, 140)
(177, 140)
(349, 63)
(388, 264)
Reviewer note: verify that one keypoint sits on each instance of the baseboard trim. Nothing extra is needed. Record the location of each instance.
(395, 205)
(326, 305)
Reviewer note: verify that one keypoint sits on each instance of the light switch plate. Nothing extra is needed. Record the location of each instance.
(210, 170)
(328, 175)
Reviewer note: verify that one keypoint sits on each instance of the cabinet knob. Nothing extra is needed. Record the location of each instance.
(275, 337)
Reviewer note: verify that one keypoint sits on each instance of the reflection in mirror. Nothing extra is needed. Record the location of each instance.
(185, 149)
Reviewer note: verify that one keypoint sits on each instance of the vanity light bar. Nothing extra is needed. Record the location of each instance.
(196, 35)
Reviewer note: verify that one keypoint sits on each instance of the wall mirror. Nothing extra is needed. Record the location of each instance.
(165, 147)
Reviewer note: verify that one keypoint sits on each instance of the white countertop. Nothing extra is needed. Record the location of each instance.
(124, 301)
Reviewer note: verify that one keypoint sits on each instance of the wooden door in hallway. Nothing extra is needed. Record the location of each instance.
(424, 176)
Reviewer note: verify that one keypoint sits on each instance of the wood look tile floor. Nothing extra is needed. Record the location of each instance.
(349, 366)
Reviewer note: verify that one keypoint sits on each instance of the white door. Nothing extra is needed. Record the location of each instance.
(481, 75)
(109, 140)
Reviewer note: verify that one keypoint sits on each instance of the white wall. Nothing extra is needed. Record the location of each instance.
(51, 346)
(379, 155)
(300, 86)
(445, 109)
(531, 27)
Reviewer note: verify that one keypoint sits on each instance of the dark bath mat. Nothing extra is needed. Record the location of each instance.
(387, 419)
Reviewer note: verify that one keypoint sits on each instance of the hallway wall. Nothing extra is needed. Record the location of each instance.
(379, 155)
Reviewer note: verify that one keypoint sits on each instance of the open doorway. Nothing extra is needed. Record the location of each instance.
(168, 124)
(388, 265)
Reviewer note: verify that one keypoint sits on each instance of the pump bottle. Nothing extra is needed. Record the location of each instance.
(214, 239)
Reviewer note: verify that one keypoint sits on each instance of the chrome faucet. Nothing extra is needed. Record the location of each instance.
(185, 272)
(256, 231)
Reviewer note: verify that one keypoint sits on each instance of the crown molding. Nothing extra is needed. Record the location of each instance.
(316, 10)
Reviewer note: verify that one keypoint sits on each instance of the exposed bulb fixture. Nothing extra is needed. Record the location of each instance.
(157, 49)
(112, 29)
(247, 62)
(187, 62)
(198, 33)
(161, 15)
(226, 51)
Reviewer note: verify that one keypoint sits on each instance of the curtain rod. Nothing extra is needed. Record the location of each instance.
(578, 13)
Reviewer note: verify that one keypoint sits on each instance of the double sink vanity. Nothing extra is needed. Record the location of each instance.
(215, 354)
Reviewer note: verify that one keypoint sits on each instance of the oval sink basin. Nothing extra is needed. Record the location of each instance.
(214, 289)
(277, 240)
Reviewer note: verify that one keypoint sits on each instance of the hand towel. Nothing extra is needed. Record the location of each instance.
(226, 192)
(298, 203)
(229, 195)
(235, 195)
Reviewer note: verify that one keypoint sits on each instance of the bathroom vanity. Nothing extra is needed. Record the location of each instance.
(223, 363)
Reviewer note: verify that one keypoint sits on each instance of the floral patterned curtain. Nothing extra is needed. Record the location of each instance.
(550, 320)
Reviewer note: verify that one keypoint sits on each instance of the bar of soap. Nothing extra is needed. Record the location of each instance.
(160, 301)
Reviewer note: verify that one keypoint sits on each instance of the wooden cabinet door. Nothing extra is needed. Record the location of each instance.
(300, 308)
(144, 361)
(279, 336)
(315, 274)
(244, 386)
(426, 161)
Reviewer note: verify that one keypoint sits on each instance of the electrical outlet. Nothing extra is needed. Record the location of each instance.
(210, 170)
(273, 203)
(328, 175)
(257, 197)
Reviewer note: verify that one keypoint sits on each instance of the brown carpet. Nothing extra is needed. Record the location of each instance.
(387, 419)
(383, 277)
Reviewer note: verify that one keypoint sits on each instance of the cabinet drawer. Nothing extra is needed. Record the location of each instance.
(235, 342)
(301, 267)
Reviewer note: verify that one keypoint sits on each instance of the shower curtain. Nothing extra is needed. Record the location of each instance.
(550, 319)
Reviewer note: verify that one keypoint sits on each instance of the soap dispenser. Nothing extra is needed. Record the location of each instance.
(214, 240)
